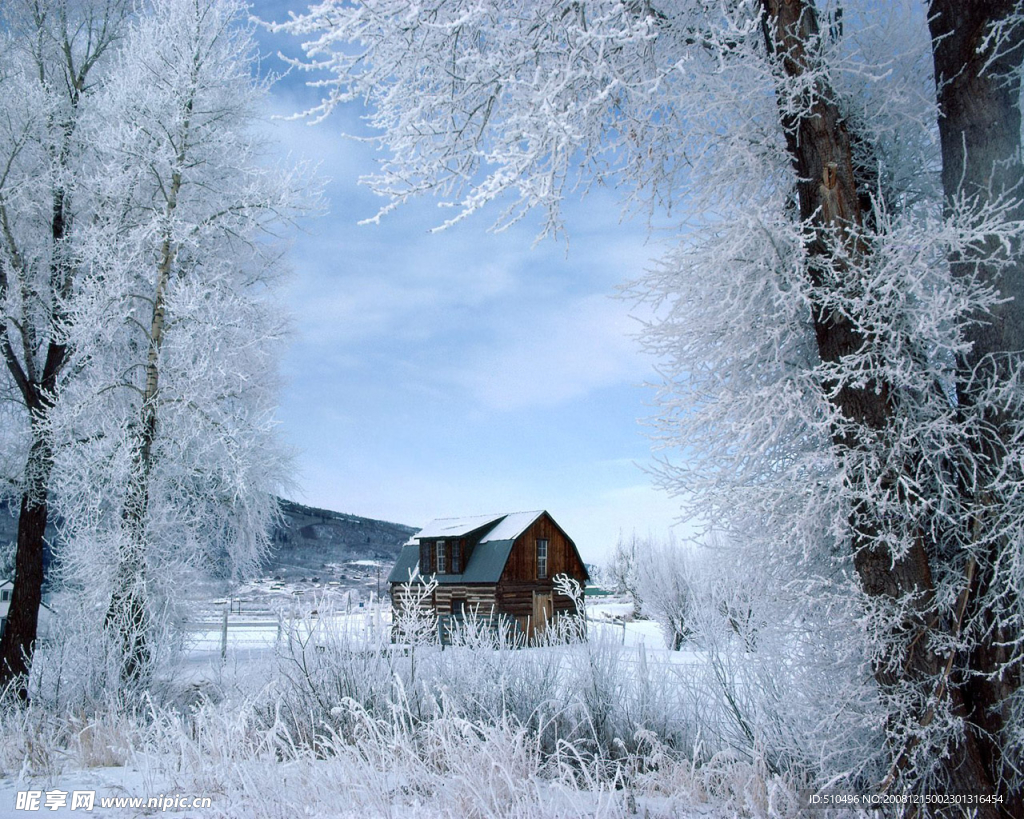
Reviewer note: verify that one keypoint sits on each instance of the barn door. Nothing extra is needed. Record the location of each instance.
(542, 609)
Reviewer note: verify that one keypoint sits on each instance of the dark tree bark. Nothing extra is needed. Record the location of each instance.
(978, 94)
(18, 640)
(37, 392)
(19, 635)
(68, 42)
(820, 144)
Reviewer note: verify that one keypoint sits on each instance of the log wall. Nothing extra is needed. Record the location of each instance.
(482, 596)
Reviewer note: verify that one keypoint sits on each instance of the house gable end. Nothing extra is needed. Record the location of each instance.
(562, 555)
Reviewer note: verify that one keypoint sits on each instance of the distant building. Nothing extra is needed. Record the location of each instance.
(6, 588)
(45, 612)
(498, 566)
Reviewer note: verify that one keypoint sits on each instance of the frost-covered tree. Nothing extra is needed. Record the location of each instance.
(840, 320)
(686, 586)
(664, 576)
(172, 460)
(625, 567)
(52, 57)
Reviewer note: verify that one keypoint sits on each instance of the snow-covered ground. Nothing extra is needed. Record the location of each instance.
(286, 679)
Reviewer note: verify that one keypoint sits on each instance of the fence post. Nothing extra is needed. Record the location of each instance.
(224, 634)
(291, 626)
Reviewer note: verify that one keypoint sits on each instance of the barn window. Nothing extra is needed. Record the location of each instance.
(542, 559)
(442, 558)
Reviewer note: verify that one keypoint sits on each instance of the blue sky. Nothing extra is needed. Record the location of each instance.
(461, 372)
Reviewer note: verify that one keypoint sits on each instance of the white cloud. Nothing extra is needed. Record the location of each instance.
(553, 354)
(420, 359)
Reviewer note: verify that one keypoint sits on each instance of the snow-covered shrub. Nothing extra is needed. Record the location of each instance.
(761, 667)
(480, 726)
(325, 660)
(76, 667)
(624, 569)
(763, 677)
(487, 675)
(665, 577)
(335, 723)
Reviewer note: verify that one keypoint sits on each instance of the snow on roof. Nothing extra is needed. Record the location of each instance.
(486, 561)
(455, 527)
(506, 526)
(512, 526)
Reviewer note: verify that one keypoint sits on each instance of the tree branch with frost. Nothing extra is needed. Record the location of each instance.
(813, 322)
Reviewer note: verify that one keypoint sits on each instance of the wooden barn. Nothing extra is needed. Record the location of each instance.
(499, 566)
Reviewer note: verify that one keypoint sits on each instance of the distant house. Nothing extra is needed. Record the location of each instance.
(45, 612)
(6, 588)
(498, 566)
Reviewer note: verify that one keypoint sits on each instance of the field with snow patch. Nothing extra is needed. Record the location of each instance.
(317, 713)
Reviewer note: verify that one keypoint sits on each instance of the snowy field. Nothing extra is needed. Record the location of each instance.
(320, 715)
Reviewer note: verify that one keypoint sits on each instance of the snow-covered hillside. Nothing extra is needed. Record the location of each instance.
(310, 540)
(307, 543)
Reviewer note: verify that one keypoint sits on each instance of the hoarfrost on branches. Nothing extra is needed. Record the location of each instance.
(171, 460)
(53, 57)
(842, 389)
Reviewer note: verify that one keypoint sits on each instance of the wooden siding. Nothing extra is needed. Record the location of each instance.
(398, 599)
(516, 599)
(515, 596)
(562, 557)
(482, 596)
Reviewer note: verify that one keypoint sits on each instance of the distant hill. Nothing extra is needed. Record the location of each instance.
(306, 541)
(313, 540)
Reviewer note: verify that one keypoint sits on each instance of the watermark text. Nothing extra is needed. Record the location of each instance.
(87, 800)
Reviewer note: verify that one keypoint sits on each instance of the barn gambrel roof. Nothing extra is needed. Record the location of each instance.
(489, 556)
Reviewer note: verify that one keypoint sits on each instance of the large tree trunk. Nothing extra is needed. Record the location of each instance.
(128, 611)
(978, 93)
(820, 145)
(19, 635)
(37, 392)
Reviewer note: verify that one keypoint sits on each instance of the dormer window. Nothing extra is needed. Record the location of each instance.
(442, 558)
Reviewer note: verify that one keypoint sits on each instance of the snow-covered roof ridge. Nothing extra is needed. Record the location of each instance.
(454, 527)
(506, 526)
(512, 526)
